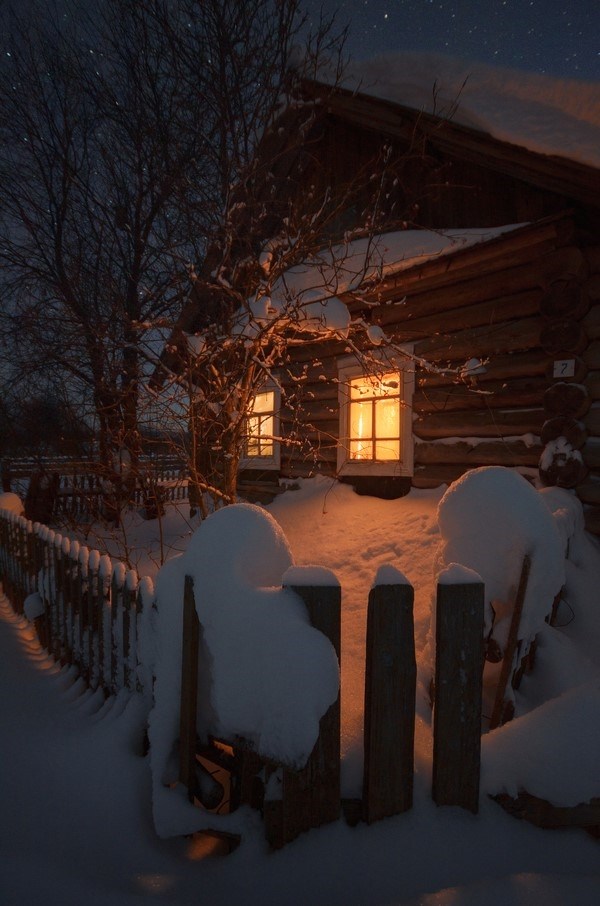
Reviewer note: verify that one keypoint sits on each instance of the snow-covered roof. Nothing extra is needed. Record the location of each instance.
(539, 112)
(347, 266)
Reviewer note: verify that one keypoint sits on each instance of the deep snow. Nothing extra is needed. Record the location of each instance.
(76, 789)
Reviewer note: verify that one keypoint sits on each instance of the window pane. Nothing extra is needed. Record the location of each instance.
(387, 418)
(361, 420)
(264, 402)
(266, 436)
(370, 387)
(361, 449)
(387, 449)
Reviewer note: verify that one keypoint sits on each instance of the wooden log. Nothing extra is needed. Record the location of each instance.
(589, 490)
(592, 383)
(457, 695)
(499, 710)
(542, 813)
(498, 423)
(591, 322)
(591, 452)
(560, 468)
(591, 355)
(189, 690)
(497, 339)
(408, 325)
(592, 519)
(571, 429)
(524, 364)
(592, 256)
(489, 453)
(483, 395)
(592, 421)
(563, 334)
(439, 288)
(390, 686)
(566, 399)
(434, 475)
(592, 288)
(565, 299)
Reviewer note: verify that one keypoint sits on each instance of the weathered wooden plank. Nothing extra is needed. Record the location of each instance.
(311, 797)
(390, 685)
(508, 665)
(457, 695)
(189, 690)
(498, 423)
(500, 452)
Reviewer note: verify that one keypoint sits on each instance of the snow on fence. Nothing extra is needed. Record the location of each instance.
(292, 800)
(87, 612)
(85, 607)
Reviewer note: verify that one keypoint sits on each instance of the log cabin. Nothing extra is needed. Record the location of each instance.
(500, 323)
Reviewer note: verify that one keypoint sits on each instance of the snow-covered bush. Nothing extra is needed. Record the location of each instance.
(489, 520)
(265, 673)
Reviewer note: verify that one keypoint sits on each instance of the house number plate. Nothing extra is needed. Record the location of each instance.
(564, 368)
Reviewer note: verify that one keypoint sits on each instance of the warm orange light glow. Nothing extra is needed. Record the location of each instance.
(260, 425)
(374, 418)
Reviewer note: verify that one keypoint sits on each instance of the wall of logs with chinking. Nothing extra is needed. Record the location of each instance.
(528, 306)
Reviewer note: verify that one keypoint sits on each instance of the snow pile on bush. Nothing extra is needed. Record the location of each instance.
(265, 673)
(489, 520)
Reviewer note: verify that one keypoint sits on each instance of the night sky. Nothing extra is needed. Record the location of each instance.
(558, 37)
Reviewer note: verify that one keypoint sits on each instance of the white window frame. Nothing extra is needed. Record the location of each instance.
(272, 462)
(348, 369)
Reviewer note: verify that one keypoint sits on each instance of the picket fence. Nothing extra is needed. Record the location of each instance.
(85, 608)
(87, 612)
(78, 489)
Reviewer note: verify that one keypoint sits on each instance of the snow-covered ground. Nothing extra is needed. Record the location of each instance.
(76, 790)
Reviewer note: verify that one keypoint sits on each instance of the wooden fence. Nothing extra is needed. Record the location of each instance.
(75, 488)
(86, 608)
(295, 801)
(87, 612)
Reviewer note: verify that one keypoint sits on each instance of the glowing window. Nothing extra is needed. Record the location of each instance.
(260, 442)
(374, 418)
(375, 433)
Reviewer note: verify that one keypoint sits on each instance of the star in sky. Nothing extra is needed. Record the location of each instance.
(558, 37)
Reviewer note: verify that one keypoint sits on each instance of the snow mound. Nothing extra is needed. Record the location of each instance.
(489, 520)
(553, 752)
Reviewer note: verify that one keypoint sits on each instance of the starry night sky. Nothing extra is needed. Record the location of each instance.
(558, 37)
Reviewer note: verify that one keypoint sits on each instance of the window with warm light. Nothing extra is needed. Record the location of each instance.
(375, 432)
(261, 449)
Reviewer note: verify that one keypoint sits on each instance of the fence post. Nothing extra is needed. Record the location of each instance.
(311, 796)
(189, 690)
(459, 659)
(390, 688)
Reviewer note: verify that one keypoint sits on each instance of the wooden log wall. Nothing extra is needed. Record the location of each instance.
(528, 307)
